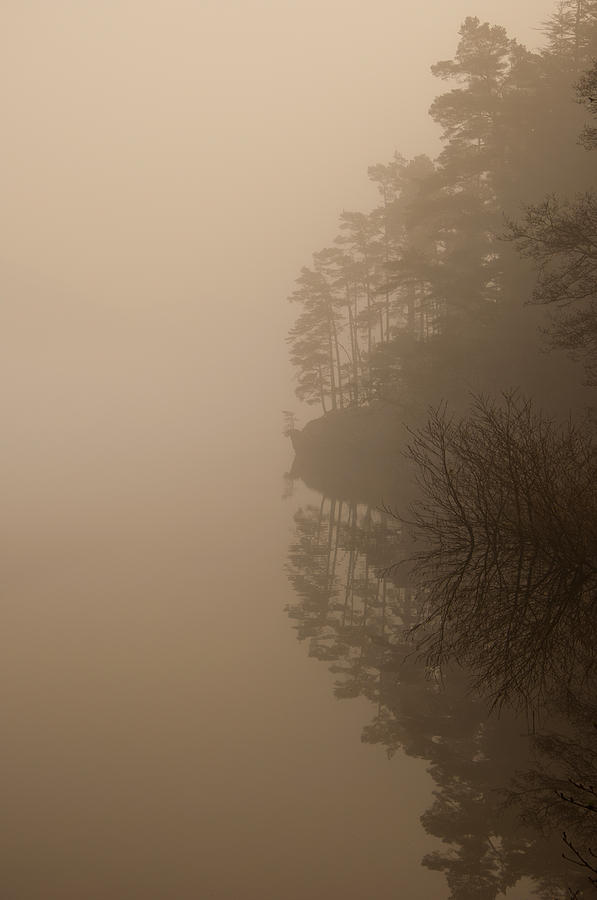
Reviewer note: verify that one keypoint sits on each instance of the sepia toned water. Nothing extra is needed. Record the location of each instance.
(164, 735)
(168, 168)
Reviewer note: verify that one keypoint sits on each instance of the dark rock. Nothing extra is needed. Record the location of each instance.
(353, 453)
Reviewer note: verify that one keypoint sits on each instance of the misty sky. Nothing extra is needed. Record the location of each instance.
(169, 166)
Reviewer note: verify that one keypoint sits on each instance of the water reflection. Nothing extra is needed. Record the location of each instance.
(506, 523)
(506, 788)
(557, 792)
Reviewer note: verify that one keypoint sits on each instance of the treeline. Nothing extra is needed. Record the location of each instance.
(424, 296)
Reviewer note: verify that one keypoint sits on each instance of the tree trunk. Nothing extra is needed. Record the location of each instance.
(411, 314)
(321, 391)
(340, 388)
(354, 347)
(331, 365)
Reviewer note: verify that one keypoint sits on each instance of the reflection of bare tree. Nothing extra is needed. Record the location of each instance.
(559, 792)
(356, 622)
(508, 520)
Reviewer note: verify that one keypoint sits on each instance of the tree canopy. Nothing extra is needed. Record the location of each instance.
(423, 297)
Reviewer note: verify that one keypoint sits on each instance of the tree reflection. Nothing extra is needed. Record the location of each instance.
(356, 619)
(508, 570)
(558, 793)
(507, 519)
(351, 617)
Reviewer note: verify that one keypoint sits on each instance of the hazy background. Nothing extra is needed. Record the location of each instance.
(167, 167)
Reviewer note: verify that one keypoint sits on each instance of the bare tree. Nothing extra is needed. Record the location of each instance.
(507, 521)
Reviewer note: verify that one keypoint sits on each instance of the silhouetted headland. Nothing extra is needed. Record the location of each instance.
(355, 453)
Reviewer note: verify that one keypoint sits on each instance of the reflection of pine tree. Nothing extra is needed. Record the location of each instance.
(355, 621)
(559, 792)
(346, 610)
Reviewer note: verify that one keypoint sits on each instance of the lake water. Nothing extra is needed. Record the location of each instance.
(165, 734)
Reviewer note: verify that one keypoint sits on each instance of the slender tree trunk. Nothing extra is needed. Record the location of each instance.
(387, 316)
(579, 12)
(355, 355)
(424, 325)
(339, 370)
(411, 311)
(357, 343)
(336, 541)
(332, 516)
(319, 521)
(369, 334)
(351, 564)
(386, 249)
(331, 365)
(348, 586)
(321, 392)
(366, 597)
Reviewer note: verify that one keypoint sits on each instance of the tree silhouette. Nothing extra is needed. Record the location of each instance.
(508, 567)
(356, 622)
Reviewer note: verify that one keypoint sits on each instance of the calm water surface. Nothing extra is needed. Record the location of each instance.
(164, 734)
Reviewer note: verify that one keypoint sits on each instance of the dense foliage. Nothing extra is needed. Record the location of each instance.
(423, 298)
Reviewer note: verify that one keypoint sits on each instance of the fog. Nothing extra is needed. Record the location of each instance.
(167, 168)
